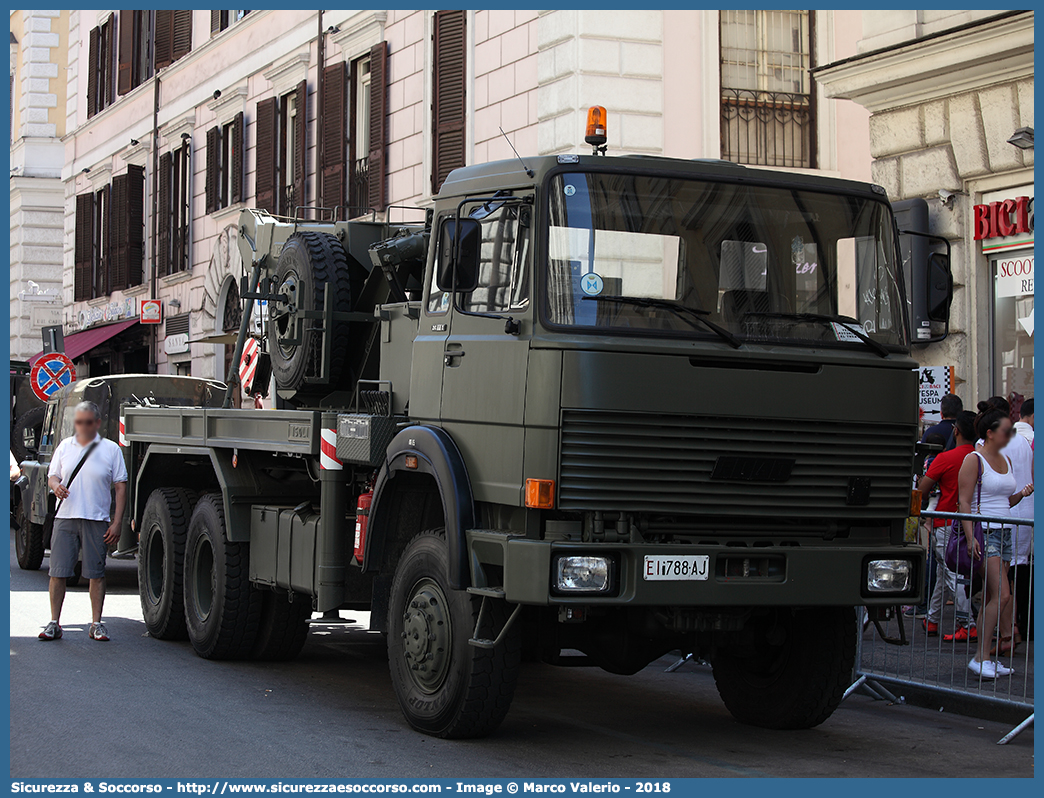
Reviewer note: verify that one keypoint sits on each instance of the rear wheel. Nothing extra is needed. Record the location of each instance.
(222, 608)
(283, 628)
(446, 687)
(161, 561)
(29, 547)
(789, 668)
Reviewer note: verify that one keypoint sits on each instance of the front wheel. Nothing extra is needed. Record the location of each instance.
(446, 687)
(789, 668)
(29, 547)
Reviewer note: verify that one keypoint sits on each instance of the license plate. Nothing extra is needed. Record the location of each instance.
(668, 567)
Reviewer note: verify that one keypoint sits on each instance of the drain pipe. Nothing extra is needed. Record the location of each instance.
(154, 354)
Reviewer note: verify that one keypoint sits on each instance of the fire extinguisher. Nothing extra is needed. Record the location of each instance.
(362, 517)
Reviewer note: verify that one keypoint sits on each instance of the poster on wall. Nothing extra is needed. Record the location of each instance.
(936, 382)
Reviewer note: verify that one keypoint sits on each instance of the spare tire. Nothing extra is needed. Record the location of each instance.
(309, 265)
(25, 435)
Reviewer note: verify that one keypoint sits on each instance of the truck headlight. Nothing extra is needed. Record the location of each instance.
(583, 574)
(888, 576)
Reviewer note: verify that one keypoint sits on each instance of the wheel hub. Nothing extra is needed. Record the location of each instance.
(426, 636)
(283, 313)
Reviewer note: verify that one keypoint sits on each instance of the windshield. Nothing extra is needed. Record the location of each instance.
(763, 263)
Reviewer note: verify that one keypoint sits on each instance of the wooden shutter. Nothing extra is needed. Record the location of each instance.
(92, 72)
(135, 215)
(215, 22)
(164, 44)
(103, 253)
(376, 163)
(265, 154)
(236, 148)
(300, 154)
(119, 235)
(333, 127)
(84, 248)
(164, 222)
(213, 165)
(449, 110)
(182, 34)
(125, 56)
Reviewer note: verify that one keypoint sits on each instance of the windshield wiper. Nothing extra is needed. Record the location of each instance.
(693, 314)
(850, 324)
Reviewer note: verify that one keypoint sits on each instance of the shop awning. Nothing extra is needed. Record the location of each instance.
(80, 342)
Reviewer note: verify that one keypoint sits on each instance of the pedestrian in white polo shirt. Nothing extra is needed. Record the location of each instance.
(82, 520)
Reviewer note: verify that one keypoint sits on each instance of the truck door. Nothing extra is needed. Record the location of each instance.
(484, 366)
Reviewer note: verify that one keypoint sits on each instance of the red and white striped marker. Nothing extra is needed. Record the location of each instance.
(123, 432)
(248, 365)
(328, 450)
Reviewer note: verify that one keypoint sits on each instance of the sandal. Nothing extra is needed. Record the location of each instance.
(1004, 647)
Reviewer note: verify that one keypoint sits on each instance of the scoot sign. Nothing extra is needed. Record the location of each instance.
(50, 374)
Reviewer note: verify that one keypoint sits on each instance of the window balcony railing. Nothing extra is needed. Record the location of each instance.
(766, 128)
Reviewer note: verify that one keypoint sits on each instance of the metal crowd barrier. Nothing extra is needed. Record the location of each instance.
(932, 663)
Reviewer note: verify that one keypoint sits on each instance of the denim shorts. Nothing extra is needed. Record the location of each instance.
(998, 543)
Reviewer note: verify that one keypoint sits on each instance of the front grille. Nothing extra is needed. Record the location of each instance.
(662, 464)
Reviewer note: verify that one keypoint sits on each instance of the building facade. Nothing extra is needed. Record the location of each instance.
(951, 100)
(177, 120)
(39, 47)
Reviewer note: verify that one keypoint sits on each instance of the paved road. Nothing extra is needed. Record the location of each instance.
(143, 707)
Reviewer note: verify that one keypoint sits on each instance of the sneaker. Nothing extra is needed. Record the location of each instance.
(931, 629)
(1002, 670)
(96, 631)
(985, 670)
(51, 632)
(962, 635)
(909, 611)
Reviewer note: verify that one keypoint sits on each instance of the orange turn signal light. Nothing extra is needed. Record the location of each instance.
(915, 503)
(596, 126)
(540, 493)
(411, 461)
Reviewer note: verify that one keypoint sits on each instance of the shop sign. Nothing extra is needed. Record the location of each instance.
(45, 316)
(114, 311)
(151, 311)
(176, 344)
(1005, 222)
(1014, 276)
(935, 383)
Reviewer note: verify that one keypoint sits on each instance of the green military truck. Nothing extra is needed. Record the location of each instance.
(590, 411)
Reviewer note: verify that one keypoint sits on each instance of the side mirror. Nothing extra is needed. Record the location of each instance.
(458, 266)
(940, 287)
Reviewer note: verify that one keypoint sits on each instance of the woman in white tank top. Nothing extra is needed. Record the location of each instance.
(995, 496)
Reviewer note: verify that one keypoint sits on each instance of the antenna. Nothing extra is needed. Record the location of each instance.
(529, 172)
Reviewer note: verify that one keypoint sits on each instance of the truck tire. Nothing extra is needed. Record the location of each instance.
(795, 681)
(161, 561)
(283, 628)
(222, 608)
(26, 432)
(309, 265)
(445, 687)
(29, 547)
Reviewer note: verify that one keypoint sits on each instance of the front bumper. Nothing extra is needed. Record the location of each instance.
(825, 574)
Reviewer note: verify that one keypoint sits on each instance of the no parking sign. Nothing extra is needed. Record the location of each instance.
(52, 372)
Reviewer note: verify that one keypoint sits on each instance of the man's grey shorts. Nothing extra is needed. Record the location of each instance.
(67, 537)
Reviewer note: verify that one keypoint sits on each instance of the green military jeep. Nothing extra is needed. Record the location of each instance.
(35, 504)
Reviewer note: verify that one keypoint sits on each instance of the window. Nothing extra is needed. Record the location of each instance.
(101, 83)
(767, 101)
(281, 152)
(224, 179)
(221, 20)
(110, 226)
(174, 199)
(503, 263)
(449, 109)
(173, 37)
(1013, 323)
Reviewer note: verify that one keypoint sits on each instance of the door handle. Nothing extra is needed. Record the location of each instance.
(450, 354)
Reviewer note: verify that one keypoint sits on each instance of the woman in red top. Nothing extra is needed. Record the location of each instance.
(943, 472)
